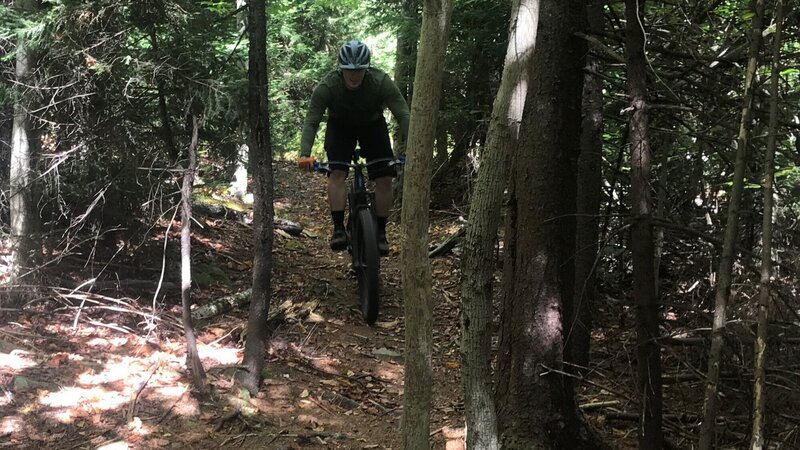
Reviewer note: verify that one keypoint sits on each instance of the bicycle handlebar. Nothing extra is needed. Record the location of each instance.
(324, 166)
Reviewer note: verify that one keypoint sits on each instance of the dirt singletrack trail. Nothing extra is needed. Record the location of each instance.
(118, 379)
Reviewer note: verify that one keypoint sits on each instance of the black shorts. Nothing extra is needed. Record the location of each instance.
(373, 138)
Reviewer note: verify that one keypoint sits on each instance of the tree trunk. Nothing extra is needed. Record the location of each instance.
(415, 265)
(757, 441)
(263, 212)
(238, 186)
(648, 352)
(163, 111)
(407, 36)
(724, 272)
(588, 200)
(25, 147)
(478, 261)
(405, 58)
(6, 127)
(192, 356)
(535, 400)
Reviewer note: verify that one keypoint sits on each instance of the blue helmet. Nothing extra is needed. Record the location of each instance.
(354, 55)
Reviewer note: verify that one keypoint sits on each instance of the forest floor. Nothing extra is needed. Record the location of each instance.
(106, 369)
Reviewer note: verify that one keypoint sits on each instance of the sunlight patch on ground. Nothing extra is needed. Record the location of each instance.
(219, 355)
(10, 425)
(107, 343)
(95, 398)
(6, 399)
(121, 445)
(390, 371)
(17, 360)
(118, 369)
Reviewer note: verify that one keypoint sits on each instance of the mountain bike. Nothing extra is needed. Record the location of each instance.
(362, 234)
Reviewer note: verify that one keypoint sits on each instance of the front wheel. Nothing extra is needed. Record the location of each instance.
(367, 264)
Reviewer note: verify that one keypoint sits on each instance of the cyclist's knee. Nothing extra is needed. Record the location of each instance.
(383, 183)
(337, 176)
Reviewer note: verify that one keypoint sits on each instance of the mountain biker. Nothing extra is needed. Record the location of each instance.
(355, 96)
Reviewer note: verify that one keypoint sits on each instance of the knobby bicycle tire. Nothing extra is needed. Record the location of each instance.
(368, 272)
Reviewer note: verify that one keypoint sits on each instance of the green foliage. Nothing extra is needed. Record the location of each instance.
(303, 38)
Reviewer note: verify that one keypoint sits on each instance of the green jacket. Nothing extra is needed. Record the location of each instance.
(360, 106)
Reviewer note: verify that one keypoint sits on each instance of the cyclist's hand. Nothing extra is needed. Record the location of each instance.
(306, 163)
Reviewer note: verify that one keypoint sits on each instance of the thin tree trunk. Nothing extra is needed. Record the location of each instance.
(24, 151)
(644, 290)
(263, 213)
(757, 441)
(407, 37)
(192, 356)
(588, 200)
(414, 261)
(724, 272)
(238, 186)
(163, 111)
(478, 262)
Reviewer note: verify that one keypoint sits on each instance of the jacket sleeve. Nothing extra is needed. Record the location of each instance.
(320, 99)
(397, 105)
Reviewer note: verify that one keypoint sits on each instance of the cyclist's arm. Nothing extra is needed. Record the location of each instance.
(316, 108)
(397, 105)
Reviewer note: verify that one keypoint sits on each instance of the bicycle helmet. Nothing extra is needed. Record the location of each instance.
(354, 55)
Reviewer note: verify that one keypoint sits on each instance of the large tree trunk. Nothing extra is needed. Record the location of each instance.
(263, 211)
(25, 146)
(478, 262)
(724, 272)
(192, 356)
(757, 440)
(535, 400)
(648, 352)
(588, 200)
(415, 265)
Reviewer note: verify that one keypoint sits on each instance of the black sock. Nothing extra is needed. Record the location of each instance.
(382, 224)
(338, 219)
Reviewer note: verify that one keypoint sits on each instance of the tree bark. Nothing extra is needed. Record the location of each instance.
(588, 199)
(648, 352)
(192, 356)
(757, 439)
(263, 212)
(414, 261)
(25, 147)
(535, 399)
(724, 272)
(478, 261)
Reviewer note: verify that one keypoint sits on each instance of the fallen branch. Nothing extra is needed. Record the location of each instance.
(448, 244)
(288, 310)
(130, 412)
(295, 229)
(222, 305)
(339, 400)
(598, 405)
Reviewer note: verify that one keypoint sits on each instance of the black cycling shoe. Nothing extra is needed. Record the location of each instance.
(339, 239)
(383, 244)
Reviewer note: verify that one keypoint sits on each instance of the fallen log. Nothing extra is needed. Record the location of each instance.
(222, 305)
(288, 310)
(293, 228)
(448, 244)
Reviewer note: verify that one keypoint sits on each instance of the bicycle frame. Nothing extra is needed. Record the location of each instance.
(363, 237)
